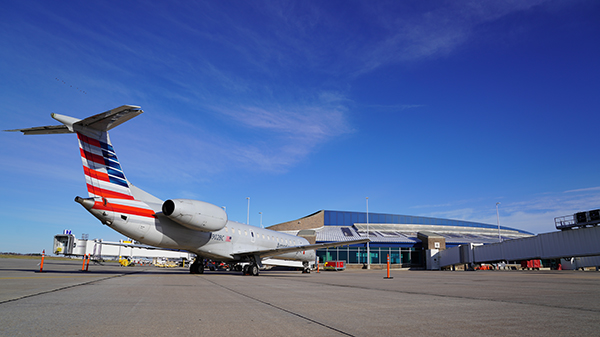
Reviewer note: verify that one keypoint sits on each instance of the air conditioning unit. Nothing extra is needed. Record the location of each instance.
(581, 217)
(594, 215)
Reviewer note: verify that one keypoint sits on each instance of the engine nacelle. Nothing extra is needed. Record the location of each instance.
(195, 214)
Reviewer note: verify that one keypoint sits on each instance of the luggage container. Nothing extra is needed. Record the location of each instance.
(531, 264)
(335, 265)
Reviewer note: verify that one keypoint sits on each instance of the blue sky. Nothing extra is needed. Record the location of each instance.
(430, 108)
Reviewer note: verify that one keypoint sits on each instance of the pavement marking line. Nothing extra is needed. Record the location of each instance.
(279, 308)
(62, 288)
(41, 277)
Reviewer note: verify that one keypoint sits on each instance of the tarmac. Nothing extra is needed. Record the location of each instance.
(110, 300)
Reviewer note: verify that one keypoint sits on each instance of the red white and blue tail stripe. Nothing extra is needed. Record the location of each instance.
(105, 180)
(103, 174)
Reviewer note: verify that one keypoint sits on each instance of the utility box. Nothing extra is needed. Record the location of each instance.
(64, 244)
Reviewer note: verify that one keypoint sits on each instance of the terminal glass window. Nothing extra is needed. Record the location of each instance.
(321, 254)
(330, 255)
(374, 256)
(405, 257)
(353, 255)
(395, 257)
(343, 254)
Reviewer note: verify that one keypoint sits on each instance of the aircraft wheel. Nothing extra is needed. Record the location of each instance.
(306, 270)
(254, 270)
(196, 268)
(245, 270)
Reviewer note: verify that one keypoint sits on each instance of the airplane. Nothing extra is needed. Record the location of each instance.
(195, 226)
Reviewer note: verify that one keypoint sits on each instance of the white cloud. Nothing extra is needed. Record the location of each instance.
(584, 190)
(535, 214)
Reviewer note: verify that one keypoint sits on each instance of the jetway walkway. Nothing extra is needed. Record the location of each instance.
(581, 242)
(66, 244)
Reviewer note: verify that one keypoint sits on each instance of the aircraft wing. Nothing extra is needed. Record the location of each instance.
(283, 250)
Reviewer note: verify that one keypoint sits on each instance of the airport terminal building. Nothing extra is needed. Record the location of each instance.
(405, 238)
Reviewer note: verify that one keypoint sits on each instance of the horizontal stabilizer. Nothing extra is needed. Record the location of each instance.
(101, 122)
(107, 120)
(43, 130)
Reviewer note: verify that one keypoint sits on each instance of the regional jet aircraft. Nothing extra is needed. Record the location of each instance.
(191, 225)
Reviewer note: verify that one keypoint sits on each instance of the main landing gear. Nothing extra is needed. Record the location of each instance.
(197, 267)
(251, 269)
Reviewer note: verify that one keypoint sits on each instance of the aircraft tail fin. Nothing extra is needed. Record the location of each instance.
(103, 173)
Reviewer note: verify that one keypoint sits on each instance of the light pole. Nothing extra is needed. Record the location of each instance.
(369, 237)
(498, 220)
(261, 226)
(248, 213)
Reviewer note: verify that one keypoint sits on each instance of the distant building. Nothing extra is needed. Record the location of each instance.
(403, 237)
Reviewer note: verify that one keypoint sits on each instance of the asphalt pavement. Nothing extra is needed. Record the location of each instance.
(111, 300)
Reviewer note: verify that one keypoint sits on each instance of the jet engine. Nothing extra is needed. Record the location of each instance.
(195, 214)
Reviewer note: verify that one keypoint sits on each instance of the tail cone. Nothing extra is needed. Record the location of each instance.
(88, 203)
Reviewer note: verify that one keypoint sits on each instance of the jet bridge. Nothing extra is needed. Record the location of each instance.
(66, 244)
(575, 242)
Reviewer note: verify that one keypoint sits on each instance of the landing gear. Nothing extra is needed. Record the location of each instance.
(251, 269)
(306, 271)
(197, 267)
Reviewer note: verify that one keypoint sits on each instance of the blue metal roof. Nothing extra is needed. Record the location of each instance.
(343, 218)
